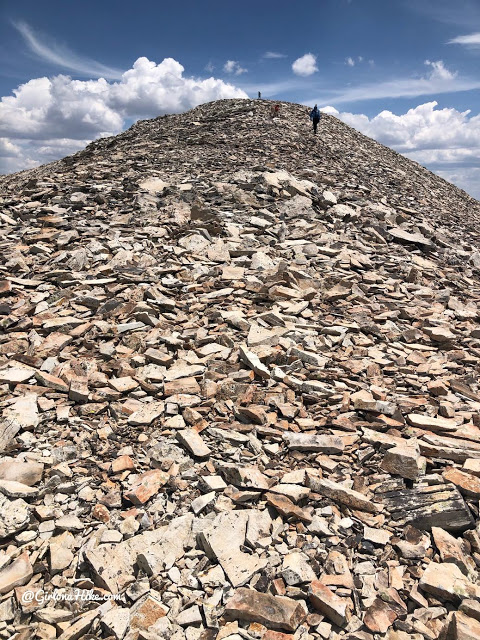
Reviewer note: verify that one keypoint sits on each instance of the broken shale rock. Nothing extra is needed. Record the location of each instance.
(274, 612)
(237, 362)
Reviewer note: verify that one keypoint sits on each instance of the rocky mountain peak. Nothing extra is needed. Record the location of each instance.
(238, 387)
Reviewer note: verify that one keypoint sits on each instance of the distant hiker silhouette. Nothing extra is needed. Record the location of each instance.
(259, 95)
(315, 118)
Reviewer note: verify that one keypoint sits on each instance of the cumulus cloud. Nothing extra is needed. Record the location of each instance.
(48, 118)
(234, 67)
(471, 40)
(445, 140)
(306, 65)
(62, 56)
(350, 62)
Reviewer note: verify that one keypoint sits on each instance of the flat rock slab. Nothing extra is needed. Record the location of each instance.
(222, 540)
(446, 582)
(147, 414)
(16, 574)
(274, 612)
(193, 442)
(331, 605)
(432, 424)
(425, 507)
(311, 442)
(467, 483)
(113, 564)
(21, 414)
(14, 516)
(405, 237)
(341, 494)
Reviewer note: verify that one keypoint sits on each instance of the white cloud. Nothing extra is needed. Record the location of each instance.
(306, 65)
(438, 80)
(471, 40)
(61, 56)
(48, 118)
(273, 55)
(209, 67)
(350, 62)
(439, 71)
(445, 140)
(8, 149)
(234, 67)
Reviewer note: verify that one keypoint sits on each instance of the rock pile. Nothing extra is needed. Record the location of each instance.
(239, 388)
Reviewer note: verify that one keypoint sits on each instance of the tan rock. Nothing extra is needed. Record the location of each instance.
(147, 485)
(341, 494)
(193, 442)
(324, 600)
(466, 483)
(274, 612)
(16, 574)
(446, 582)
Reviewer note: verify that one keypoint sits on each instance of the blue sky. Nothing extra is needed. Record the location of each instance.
(404, 72)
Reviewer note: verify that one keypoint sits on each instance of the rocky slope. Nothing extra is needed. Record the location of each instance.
(238, 387)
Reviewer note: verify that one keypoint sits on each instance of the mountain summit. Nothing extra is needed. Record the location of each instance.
(238, 387)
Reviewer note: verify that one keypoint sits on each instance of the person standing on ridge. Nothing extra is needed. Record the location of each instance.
(274, 110)
(315, 118)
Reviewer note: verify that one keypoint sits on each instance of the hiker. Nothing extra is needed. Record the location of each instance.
(274, 110)
(259, 95)
(315, 118)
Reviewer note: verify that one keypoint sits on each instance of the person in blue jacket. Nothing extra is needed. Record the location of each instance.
(315, 118)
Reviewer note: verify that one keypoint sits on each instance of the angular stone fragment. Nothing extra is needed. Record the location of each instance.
(14, 489)
(379, 617)
(116, 622)
(253, 361)
(28, 473)
(451, 550)
(296, 569)
(15, 375)
(339, 493)
(16, 574)
(274, 612)
(193, 442)
(310, 442)
(404, 461)
(222, 540)
(21, 414)
(146, 611)
(245, 477)
(287, 508)
(14, 516)
(461, 627)
(123, 385)
(113, 564)
(147, 414)
(472, 466)
(187, 385)
(446, 582)
(146, 486)
(47, 380)
(424, 507)
(466, 483)
(324, 600)
(432, 424)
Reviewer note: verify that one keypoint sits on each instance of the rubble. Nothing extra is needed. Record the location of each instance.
(239, 387)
